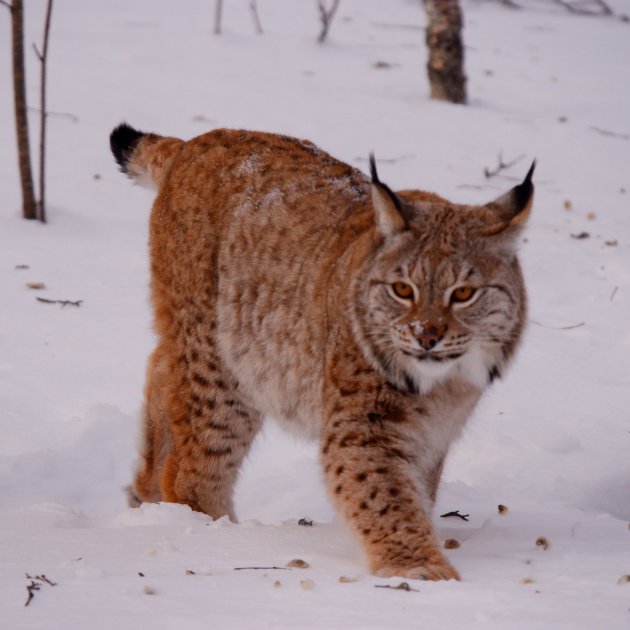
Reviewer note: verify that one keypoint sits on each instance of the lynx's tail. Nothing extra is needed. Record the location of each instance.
(145, 157)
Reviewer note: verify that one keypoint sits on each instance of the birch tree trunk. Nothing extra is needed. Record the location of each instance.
(29, 206)
(446, 52)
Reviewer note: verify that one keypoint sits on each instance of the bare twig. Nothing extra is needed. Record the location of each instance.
(41, 578)
(218, 10)
(571, 327)
(612, 297)
(35, 585)
(403, 586)
(72, 117)
(501, 166)
(31, 588)
(464, 517)
(586, 7)
(612, 134)
(43, 57)
(62, 302)
(262, 569)
(253, 7)
(6, 4)
(326, 16)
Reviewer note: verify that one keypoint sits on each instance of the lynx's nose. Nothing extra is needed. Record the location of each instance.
(430, 334)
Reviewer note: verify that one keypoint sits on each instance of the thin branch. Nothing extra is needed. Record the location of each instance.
(571, 327)
(612, 297)
(41, 578)
(612, 134)
(583, 7)
(37, 53)
(501, 166)
(261, 569)
(43, 116)
(326, 16)
(31, 588)
(72, 117)
(62, 302)
(464, 517)
(6, 4)
(403, 586)
(253, 7)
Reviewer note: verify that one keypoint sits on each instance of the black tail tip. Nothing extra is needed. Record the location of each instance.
(123, 141)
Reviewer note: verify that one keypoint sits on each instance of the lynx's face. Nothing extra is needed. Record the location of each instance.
(447, 306)
(444, 293)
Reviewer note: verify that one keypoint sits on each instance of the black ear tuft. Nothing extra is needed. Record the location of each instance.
(122, 141)
(384, 187)
(523, 192)
(373, 173)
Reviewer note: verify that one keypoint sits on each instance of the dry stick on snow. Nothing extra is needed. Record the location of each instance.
(583, 7)
(262, 569)
(612, 134)
(403, 586)
(612, 297)
(571, 327)
(43, 57)
(326, 17)
(62, 302)
(41, 578)
(29, 204)
(218, 10)
(464, 517)
(35, 586)
(501, 166)
(31, 588)
(253, 7)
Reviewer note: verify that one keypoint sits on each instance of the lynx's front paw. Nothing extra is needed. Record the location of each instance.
(436, 567)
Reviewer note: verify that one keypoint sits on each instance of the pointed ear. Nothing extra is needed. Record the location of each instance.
(509, 213)
(387, 206)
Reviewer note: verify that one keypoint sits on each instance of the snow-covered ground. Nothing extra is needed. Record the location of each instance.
(551, 441)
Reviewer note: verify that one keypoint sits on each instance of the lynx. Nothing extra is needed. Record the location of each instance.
(287, 283)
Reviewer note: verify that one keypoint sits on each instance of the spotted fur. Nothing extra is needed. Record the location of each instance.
(272, 266)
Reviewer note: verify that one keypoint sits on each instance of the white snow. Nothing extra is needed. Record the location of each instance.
(551, 441)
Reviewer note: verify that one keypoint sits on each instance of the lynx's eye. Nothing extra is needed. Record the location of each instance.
(403, 290)
(462, 294)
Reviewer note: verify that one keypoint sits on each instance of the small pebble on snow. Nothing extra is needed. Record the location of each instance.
(347, 580)
(452, 543)
(502, 509)
(624, 579)
(542, 542)
(297, 563)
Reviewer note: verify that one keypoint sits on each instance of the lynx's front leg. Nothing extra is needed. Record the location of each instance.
(371, 464)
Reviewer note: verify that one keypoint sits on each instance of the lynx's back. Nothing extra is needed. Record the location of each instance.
(285, 282)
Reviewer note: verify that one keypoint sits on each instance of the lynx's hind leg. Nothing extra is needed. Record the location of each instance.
(156, 441)
(211, 440)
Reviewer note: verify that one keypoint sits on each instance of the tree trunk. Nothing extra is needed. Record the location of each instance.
(29, 207)
(446, 52)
